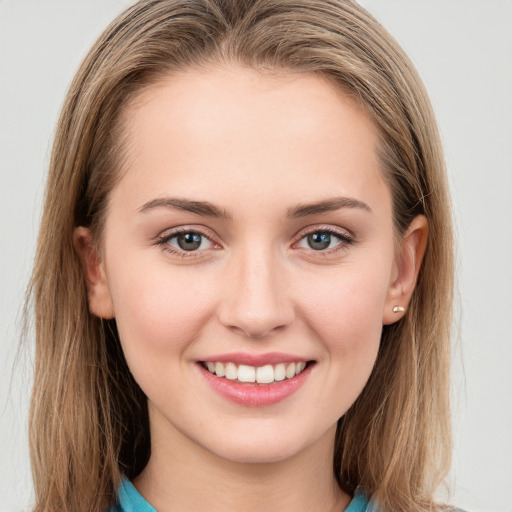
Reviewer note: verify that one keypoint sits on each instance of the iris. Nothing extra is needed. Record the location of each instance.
(319, 241)
(189, 241)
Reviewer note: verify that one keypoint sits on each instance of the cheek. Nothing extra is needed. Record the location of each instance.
(346, 317)
(157, 311)
(346, 310)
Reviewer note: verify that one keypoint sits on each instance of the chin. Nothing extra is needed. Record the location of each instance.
(254, 455)
(263, 447)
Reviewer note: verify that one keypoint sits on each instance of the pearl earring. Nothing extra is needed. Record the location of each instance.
(398, 309)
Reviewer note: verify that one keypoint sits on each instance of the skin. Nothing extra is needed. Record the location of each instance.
(256, 145)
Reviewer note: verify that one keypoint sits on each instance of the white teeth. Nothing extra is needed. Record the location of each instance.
(265, 374)
(231, 371)
(290, 370)
(220, 370)
(246, 373)
(279, 372)
(261, 374)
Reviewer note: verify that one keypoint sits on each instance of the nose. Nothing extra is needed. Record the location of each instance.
(256, 299)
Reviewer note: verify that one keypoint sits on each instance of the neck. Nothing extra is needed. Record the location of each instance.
(182, 476)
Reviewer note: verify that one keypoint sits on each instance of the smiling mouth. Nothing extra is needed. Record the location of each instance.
(267, 374)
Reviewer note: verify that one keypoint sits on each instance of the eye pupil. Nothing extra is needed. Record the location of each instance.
(319, 241)
(189, 241)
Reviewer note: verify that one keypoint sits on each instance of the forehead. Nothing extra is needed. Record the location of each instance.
(294, 133)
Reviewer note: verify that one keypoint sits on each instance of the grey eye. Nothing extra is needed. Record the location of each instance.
(319, 241)
(322, 240)
(189, 241)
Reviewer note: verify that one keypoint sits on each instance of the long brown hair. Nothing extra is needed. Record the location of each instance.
(89, 420)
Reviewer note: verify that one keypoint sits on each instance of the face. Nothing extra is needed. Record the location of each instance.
(249, 259)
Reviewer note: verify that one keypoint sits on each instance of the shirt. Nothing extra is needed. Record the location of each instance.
(129, 500)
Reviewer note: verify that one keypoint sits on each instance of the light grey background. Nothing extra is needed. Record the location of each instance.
(462, 49)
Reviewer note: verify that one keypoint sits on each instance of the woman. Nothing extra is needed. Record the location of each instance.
(243, 283)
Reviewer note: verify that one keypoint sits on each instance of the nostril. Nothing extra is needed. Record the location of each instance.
(256, 326)
(255, 301)
(256, 332)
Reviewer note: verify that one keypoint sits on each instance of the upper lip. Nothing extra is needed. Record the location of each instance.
(255, 359)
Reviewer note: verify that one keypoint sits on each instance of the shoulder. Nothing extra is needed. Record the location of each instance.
(361, 503)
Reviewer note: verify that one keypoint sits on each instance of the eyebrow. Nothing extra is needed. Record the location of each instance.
(207, 209)
(203, 208)
(326, 206)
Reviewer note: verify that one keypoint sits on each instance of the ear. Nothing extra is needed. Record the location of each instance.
(408, 263)
(100, 301)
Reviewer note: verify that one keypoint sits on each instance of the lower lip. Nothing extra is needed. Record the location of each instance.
(255, 395)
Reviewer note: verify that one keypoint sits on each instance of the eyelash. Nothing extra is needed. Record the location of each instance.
(163, 242)
(344, 238)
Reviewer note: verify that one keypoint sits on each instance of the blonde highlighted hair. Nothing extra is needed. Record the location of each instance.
(89, 420)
